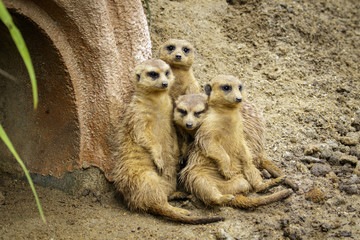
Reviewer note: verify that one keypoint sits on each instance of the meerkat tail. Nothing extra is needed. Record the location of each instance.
(178, 215)
(276, 172)
(241, 201)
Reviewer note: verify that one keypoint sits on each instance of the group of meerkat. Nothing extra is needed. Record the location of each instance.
(215, 147)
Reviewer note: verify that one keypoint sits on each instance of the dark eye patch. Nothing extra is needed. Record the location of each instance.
(170, 48)
(226, 88)
(167, 73)
(153, 75)
(240, 88)
(197, 114)
(182, 111)
(186, 50)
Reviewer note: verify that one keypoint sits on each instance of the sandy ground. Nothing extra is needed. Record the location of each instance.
(300, 62)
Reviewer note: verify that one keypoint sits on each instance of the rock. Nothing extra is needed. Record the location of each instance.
(312, 149)
(301, 167)
(357, 169)
(355, 151)
(349, 141)
(335, 158)
(332, 144)
(348, 159)
(309, 159)
(326, 152)
(349, 189)
(356, 123)
(315, 195)
(332, 176)
(353, 180)
(223, 235)
(320, 169)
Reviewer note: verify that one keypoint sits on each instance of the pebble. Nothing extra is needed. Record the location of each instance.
(309, 159)
(349, 141)
(348, 159)
(349, 189)
(223, 235)
(315, 195)
(333, 177)
(326, 152)
(320, 169)
(335, 158)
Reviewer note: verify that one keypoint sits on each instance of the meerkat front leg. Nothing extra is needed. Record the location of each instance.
(145, 138)
(216, 152)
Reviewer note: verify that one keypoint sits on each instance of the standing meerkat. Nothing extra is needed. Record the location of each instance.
(147, 155)
(220, 164)
(180, 54)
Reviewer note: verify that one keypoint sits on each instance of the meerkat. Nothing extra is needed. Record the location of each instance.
(146, 166)
(189, 112)
(220, 166)
(254, 132)
(180, 54)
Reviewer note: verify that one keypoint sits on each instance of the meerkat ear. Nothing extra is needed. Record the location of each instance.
(208, 89)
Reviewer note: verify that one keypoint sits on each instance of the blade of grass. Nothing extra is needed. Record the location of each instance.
(8, 143)
(20, 44)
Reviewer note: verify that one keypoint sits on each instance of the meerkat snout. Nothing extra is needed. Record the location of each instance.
(239, 100)
(189, 125)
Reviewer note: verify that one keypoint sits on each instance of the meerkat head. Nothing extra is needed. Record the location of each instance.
(224, 90)
(153, 75)
(189, 111)
(177, 53)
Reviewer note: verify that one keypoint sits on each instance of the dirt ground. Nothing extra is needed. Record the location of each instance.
(300, 63)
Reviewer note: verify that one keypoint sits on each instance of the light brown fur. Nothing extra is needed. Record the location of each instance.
(220, 164)
(180, 54)
(147, 156)
(189, 112)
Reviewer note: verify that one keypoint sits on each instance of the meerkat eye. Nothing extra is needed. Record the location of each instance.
(240, 88)
(186, 50)
(182, 111)
(197, 114)
(153, 75)
(226, 88)
(167, 73)
(170, 48)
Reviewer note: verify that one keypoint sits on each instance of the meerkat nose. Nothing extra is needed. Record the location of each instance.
(164, 85)
(189, 125)
(178, 56)
(238, 99)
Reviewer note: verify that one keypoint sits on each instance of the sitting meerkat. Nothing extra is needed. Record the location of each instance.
(189, 113)
(220, 164)
(146, 166)
(180, 54)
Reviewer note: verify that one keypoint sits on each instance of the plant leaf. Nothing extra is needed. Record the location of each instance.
(20, 44)
(8, 143)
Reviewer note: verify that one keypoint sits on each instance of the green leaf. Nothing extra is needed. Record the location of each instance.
(8, 143)
(20, 44)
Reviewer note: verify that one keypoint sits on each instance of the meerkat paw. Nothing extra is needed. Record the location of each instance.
(159, 163)
(272, 183)
(226, 198)
(182, 211)
(227, 174)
